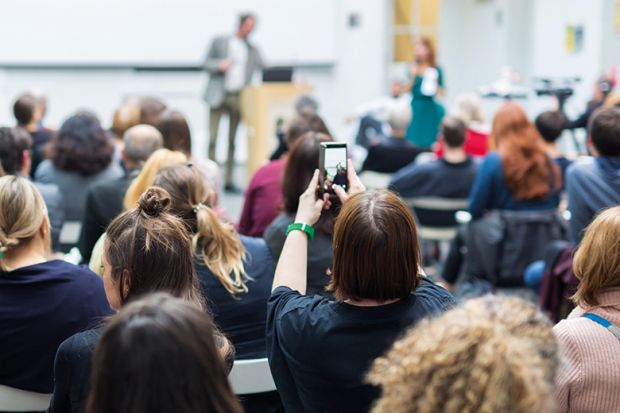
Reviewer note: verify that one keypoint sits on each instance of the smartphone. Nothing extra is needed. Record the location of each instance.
(333, 166)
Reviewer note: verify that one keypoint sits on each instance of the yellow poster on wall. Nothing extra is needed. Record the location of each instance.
(617, 17)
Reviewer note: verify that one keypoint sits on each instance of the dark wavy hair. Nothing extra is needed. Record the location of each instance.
(81, 145)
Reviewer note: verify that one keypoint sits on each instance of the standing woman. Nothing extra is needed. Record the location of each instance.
(427, 83)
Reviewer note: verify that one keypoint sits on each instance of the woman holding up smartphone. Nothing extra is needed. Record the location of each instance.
(427, 84)
(320, 350)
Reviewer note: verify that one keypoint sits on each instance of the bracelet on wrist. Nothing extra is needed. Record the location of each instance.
(300, 226)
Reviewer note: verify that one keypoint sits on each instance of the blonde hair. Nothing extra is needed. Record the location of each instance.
(221, 249)
(158, 160)
(492, 354)
(22, 212)
(468, 108)
(597, 260)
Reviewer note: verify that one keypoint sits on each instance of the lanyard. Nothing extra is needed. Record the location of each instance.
(600, 320)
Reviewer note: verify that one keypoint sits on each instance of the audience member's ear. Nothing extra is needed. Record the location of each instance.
(126, 280)
(591, 146)
(26, 162)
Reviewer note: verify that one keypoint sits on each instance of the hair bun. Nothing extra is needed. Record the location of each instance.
(154, 201)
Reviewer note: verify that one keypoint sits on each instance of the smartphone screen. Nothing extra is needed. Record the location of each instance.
(333, 165)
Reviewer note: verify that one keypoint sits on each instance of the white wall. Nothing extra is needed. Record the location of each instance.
(358, 76)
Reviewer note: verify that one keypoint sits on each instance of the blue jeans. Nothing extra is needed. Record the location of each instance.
(533, 274)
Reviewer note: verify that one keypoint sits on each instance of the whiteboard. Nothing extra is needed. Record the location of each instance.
(161, 32)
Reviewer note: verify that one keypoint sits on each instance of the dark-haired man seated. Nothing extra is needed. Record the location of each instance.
(16, 159)
(452, 176)
(593, 183)
(550, 125)
(28, 113)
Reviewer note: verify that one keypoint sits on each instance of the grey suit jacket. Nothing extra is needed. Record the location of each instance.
(215, 92)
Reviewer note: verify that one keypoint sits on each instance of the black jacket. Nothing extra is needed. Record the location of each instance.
(104, 202)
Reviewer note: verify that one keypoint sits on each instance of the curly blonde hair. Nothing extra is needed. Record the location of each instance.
(492, 354)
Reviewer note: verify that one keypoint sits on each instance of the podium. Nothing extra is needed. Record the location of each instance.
(261, 106)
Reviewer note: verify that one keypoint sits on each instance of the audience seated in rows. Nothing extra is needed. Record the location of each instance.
(235, 272)
(16, 159)
(452, 176)
(520, 176)
(42, 301)
(80, 154)
(550, 124)
(29, 112)
(319, 349)
(302, 162)
(391, 153)
(491, 354)
(593, 183)
(146, 250)
(263, 198)
(468, 108)
(104, 200)
(179, 369)
(589, 375)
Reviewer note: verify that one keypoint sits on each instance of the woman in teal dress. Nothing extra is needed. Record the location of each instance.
(427, 83)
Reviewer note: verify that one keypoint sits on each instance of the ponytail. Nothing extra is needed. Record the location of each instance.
(221, 249)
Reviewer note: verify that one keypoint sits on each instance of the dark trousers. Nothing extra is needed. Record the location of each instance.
(232, 106)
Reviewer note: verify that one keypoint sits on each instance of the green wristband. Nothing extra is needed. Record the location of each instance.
(300, 226)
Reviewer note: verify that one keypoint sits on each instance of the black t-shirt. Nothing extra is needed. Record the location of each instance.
(320, 351)
(242, 318)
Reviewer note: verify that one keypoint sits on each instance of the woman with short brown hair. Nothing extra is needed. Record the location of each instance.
(319, 350)
(589, 377)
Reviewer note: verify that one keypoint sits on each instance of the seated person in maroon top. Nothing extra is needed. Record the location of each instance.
(469, 110)
(394, 152)
(263, 198)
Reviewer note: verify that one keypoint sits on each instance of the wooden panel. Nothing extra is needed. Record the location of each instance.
(403, 12)
(403, 48)
(428, 12)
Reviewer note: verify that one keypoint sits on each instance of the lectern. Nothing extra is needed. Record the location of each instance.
(261, 106)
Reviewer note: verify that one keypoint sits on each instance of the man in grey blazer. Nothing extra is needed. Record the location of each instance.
(231, 63)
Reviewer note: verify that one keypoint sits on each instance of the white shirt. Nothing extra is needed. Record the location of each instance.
(235, 75)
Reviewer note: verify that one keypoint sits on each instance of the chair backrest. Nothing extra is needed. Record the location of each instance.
(251, 376)
(375, 180)
(436, 217)
(502, 243)
(16, 400)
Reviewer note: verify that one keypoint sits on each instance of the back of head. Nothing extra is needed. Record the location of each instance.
(158, 354)
(140, 143)
(376, 253)
(604, 131)
(153, 248)
(81, 145)
(150, 110)
(24, 109)
(302, 161)
(22, 212)
(550, 125)
(158, 160)
(306, 105)
(453, 131)
(221, 249)
(175, 130)
(302, 125)
(13, 143)
(491, 354)
(528, 171)
(125, 116)
(399, 115)
(597, 260)
(468, 108)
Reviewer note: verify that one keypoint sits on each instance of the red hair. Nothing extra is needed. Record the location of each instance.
(528, 170)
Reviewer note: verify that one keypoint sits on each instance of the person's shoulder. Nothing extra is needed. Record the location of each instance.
(290, 302)
(45, 169)
(80, 346)
(273, 167)
(254, 245)
(48, 190)
(76, 273)
(434, 294)
(280, 223)
(583, 165)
